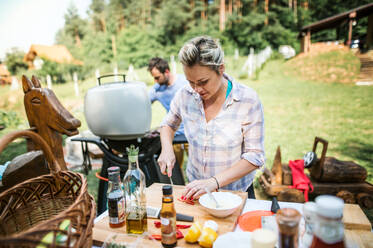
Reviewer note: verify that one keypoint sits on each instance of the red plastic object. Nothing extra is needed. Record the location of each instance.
(252, 220)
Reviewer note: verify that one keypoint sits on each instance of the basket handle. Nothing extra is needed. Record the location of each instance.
(38, 140)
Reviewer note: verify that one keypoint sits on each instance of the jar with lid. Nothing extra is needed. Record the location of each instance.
(329, 230)
(310, 215)
(288, 225)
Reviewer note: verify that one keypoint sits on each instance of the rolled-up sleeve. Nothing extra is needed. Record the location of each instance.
(253, 135)
(173, 117)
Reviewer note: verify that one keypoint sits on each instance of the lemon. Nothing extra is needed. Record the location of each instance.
(193, 233)
(207, 238)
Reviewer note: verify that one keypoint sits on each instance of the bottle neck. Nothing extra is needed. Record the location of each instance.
(167, 199)
(114, 180)
(133, 162)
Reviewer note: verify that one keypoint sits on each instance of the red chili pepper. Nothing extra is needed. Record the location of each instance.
(179, 235)
(156, 237)
(157, 224)
(183, 226)
(190, 202)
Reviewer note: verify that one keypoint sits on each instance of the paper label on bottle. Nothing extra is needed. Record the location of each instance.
(165, 221)
(116, 210)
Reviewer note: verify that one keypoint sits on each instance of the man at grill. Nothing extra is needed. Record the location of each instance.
(165, 87)
(223, 122)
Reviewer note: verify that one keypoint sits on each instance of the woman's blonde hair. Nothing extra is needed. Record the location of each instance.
(202, 50)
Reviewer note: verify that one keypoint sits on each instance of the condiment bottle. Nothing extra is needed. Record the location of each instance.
(263, 238)
(329, 231)
(168, 218)
(288, 223)
(134, 184)
(116, 200)
(209, 234)
(310, 215)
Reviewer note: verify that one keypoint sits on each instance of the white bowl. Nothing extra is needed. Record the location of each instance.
(229, 203)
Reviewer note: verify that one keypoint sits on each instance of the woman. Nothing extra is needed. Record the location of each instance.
(223, 123)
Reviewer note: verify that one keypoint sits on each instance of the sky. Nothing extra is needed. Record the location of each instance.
(26, 22)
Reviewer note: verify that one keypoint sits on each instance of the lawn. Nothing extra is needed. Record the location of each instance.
(296, 110)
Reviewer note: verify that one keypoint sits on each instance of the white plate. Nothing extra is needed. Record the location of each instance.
(233, 239)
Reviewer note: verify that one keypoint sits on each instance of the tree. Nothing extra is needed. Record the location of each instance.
(14, 61)
(74, 25)
(97, 14)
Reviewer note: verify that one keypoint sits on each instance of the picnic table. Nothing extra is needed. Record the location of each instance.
(357, 225)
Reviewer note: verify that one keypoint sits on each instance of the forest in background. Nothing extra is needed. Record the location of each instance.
(124, 32)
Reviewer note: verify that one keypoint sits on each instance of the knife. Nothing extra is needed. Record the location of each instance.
(153, 212)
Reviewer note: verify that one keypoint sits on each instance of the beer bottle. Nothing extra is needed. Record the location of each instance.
(168, 218)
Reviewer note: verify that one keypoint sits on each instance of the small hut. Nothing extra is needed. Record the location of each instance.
(57, 53)
(5, 77)
(336, 21)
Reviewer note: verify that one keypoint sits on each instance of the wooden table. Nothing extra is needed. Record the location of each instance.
(357, 225)
(102, 231)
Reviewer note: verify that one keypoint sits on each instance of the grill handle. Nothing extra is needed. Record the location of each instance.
(111, 75)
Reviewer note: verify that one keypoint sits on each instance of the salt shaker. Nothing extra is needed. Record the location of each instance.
(310, 215)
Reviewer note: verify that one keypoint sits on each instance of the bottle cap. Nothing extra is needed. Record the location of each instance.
(113, 169)
(329, 206)
(167, 190)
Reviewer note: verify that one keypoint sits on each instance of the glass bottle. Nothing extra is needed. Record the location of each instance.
(309, 214)
(134, 184)
(168, 218)
(288, 223)
(329, 231)
(116, 200)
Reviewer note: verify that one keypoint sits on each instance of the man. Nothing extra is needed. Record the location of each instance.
(164, 89)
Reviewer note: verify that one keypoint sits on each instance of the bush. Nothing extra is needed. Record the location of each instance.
(9, 119)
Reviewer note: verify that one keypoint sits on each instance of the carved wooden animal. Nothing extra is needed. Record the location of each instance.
(48, 117)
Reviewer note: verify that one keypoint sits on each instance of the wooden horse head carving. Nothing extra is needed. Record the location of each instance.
(48, 117)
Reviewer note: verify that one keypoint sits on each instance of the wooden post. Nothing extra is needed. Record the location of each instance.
(308, 40)
(352, 15)
(266, 3)
(222, 15)
(369, 39)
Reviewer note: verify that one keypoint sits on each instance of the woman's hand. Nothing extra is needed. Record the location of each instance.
(197, 188)
(166, 161)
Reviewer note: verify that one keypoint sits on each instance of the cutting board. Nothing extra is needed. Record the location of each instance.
(354, 218)
(102, 231)
(359, 238)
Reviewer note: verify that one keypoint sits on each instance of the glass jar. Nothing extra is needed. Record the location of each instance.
(288, 225)
(329, 230)
(310, 215)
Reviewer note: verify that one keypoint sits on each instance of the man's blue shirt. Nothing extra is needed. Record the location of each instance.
(165, 93)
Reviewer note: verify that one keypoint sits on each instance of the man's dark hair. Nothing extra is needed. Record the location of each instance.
(159, 63)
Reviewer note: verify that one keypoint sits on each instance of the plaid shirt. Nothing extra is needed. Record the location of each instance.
(236, 133)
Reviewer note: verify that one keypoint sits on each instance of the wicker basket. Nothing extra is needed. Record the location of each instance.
(53, 210)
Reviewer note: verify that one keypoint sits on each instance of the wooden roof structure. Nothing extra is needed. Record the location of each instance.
(335, 21)
(56, 53)
(5, 77)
